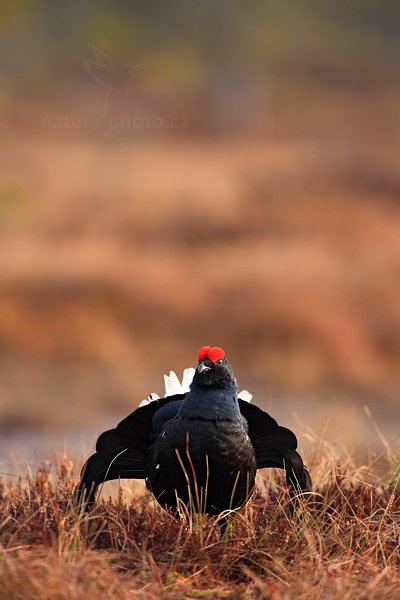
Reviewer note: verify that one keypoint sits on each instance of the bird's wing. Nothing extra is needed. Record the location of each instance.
(275, 446)
(121, 452)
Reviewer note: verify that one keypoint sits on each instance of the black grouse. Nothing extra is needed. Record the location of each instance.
(202, 447)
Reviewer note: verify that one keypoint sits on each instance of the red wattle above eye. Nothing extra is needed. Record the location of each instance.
(203, 352)
(214, 354)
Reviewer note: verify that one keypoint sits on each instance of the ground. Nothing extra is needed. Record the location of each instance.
(341, 544)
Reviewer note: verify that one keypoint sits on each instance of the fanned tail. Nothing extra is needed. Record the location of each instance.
(275, 446)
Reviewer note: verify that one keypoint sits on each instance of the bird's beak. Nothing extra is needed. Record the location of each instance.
(202, 368)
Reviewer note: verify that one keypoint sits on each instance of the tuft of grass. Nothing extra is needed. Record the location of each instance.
(340, 542)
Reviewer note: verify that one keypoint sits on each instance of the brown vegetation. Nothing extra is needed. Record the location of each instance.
(120, 255)
(345, 546)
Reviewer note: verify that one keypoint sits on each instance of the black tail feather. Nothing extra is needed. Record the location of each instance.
(275, 446)
(121, 452)
(118, 463)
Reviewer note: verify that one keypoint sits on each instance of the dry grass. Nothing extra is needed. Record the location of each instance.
(345, 546)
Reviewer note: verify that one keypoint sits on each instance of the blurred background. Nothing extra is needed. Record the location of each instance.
(175, 174)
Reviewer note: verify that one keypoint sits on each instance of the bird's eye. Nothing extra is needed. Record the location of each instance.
(219, 362)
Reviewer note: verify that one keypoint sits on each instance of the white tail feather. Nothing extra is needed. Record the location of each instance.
(150, 398)
(172, 384)
(245, 395)
(187, 379)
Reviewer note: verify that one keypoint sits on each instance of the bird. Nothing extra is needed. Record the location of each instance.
(199, 447)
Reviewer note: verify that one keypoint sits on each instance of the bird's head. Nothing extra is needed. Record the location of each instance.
(213, 369)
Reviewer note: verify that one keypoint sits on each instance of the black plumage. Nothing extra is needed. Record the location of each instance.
(203, 447)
